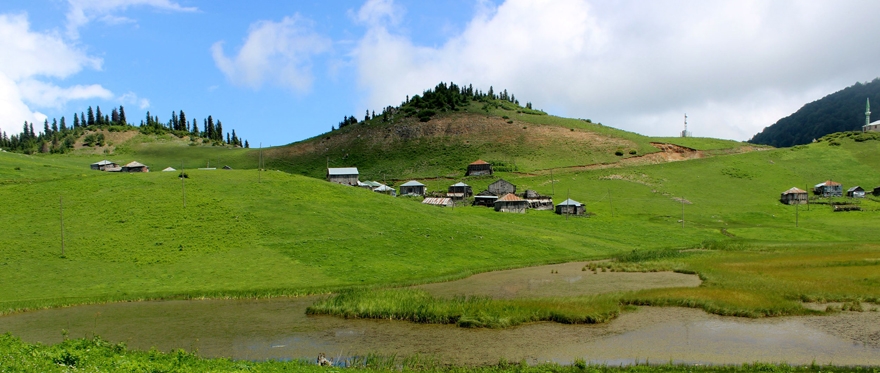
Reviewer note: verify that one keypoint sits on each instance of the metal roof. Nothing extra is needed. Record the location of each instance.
(135, 164)
(479, 162)
(855, 188)
(828, 183)
(437, 201)
(570, 202)
(509, 197)
(412, 183)
(383, 188)
(794, 191)
(460, 184)
(372, 184)
(168, 169)
(103, 163)
(342, 171)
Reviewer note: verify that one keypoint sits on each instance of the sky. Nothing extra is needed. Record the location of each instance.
(283, 71)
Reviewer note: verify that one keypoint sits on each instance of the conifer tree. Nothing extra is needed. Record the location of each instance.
(46, 130)
(91, 121)
(63, 125)
(82, 119)
(209, 129)
(75, 121)
(218, 131)
(122, 119)
(246, 145)
(99, 118)
(114, 117)
(54, 126)
(195, 129)
(182, 123)
(173, 122)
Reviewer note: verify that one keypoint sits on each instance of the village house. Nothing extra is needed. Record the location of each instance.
(479, 167)
(459, 190)
(537, 201)
(501, 187)
(485, 198)
(794, 196)
(511, 203)
(571, 207)
(412, 188)
(438, 201)
(343, 175)
(855, 192)
(135, 166)
(828, 189)
(103, 165)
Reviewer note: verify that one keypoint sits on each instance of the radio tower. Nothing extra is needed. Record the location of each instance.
(685, 133)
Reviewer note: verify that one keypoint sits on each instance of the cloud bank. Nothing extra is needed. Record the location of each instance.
(81, 12)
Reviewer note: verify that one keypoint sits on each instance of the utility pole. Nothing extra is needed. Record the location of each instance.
(61, 211)
(796, 205)
(568, 198)
(183, 183)
(610, 203)
(260, 165)
(553, 183)
(807, 189)
(682, 211)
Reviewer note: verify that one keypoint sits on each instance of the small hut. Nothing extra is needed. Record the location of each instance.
(794, 196)
(571, 207)
(227, 168)
(479, 167)
(103, 165)
(412, 188)
(168, 169)
(459, 190)
(537, 201)
(855, 192)
(502, 187)
(485, 198)
(828, 189)
(135, 166)
(382, 188)
(436, 201)
(343, 175)
(511, 203)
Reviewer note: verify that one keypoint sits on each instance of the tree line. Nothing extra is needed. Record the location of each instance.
(59, 137)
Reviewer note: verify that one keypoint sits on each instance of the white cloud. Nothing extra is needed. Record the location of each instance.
(133, 99)
(734, 67)
(82, 12)
(275, 52)
(49, 95)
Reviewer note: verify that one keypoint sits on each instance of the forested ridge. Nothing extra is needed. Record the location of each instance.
(840, 111)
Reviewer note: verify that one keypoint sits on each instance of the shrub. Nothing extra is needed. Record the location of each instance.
(618, 153)
(633, 152)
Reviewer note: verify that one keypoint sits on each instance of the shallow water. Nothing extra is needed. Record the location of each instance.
(279, 329)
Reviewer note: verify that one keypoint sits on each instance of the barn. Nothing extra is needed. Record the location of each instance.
(459, 190)
(103, 165)
(794, 196)
(135, 166)
(502, 187)
(855, 192)
(412, 188)
(343, 175)
(571, 207)
(485, 198)
(828, 189)
(537, 201)
(479, 167)
(511, 203)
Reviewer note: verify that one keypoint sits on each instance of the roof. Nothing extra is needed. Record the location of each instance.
(412, 183)
(486, 193)
(460, 184)
(135, 164)
(510, 197)
(794, 191)
(855, 188)
(103, 163)
(383, 188)
(372, 184)
(479, 162)
(342, 171)
(168, 169)
(828, 183)
(570, 202)
(437, 201)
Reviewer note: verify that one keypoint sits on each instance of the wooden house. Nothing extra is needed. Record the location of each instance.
(502, 187)
(828, 189)
(537, 201)
(485, 198)
(794, 196)
(459, 190)
(135, 166)
(103, 165)
(855, 192)
(511, 203)
(412, 188)
(571, 207)
(436, 201)
(479, 167)
(343, 175)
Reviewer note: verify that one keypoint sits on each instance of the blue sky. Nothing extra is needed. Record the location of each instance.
(280, 72)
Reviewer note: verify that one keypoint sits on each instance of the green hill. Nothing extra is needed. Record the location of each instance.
(841, 111)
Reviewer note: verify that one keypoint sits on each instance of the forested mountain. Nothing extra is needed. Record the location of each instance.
(843, 110)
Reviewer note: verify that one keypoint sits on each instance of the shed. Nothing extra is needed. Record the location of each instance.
(135, 166)
(438, 201)
(501, 187)
(227, 168)
(168, 169)
(382, 188)
(412, 188)
(511, 203)
(828, 189)
(571, 207)
(855, 192)
(537, 201)
(343, 175)
(485, 198)
(459, 190)
(103, 165)
(794, 196)
(479, 167)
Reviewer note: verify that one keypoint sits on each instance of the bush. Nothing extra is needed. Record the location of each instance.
(618, 153)
(633, 152)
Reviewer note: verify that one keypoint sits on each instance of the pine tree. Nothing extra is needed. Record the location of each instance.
(246, 145)
(173, 122)
(149, 119)
(210, 128)
(33, 134)
(91, 121)
(234, 138)
(218, 131)
(75, 121)
(54, 126)
(195, 129)
(99, 120)
(46, 130)
(122, 119)
(114, 117)
(183, 124)
(82, 119)
(63, 126)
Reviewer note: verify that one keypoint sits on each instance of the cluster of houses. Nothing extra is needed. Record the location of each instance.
(500, 195)
(108, 166)
(828, 188)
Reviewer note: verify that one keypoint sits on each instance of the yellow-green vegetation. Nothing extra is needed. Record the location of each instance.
(95, 354)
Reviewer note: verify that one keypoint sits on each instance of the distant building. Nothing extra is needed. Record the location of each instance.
(412, 188)
(479, 167)
(855, 192)
(343, 175)
(443, 202)
(571, 207)
(227, 168)
(511, 203)
(794, 196)
(485, 198)
(168, 169)
(135, 166)
(382, 188)
(103, 165)
(459, 190)
(537, 201)
(501, 187)
(870, 126)
(828, 189)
